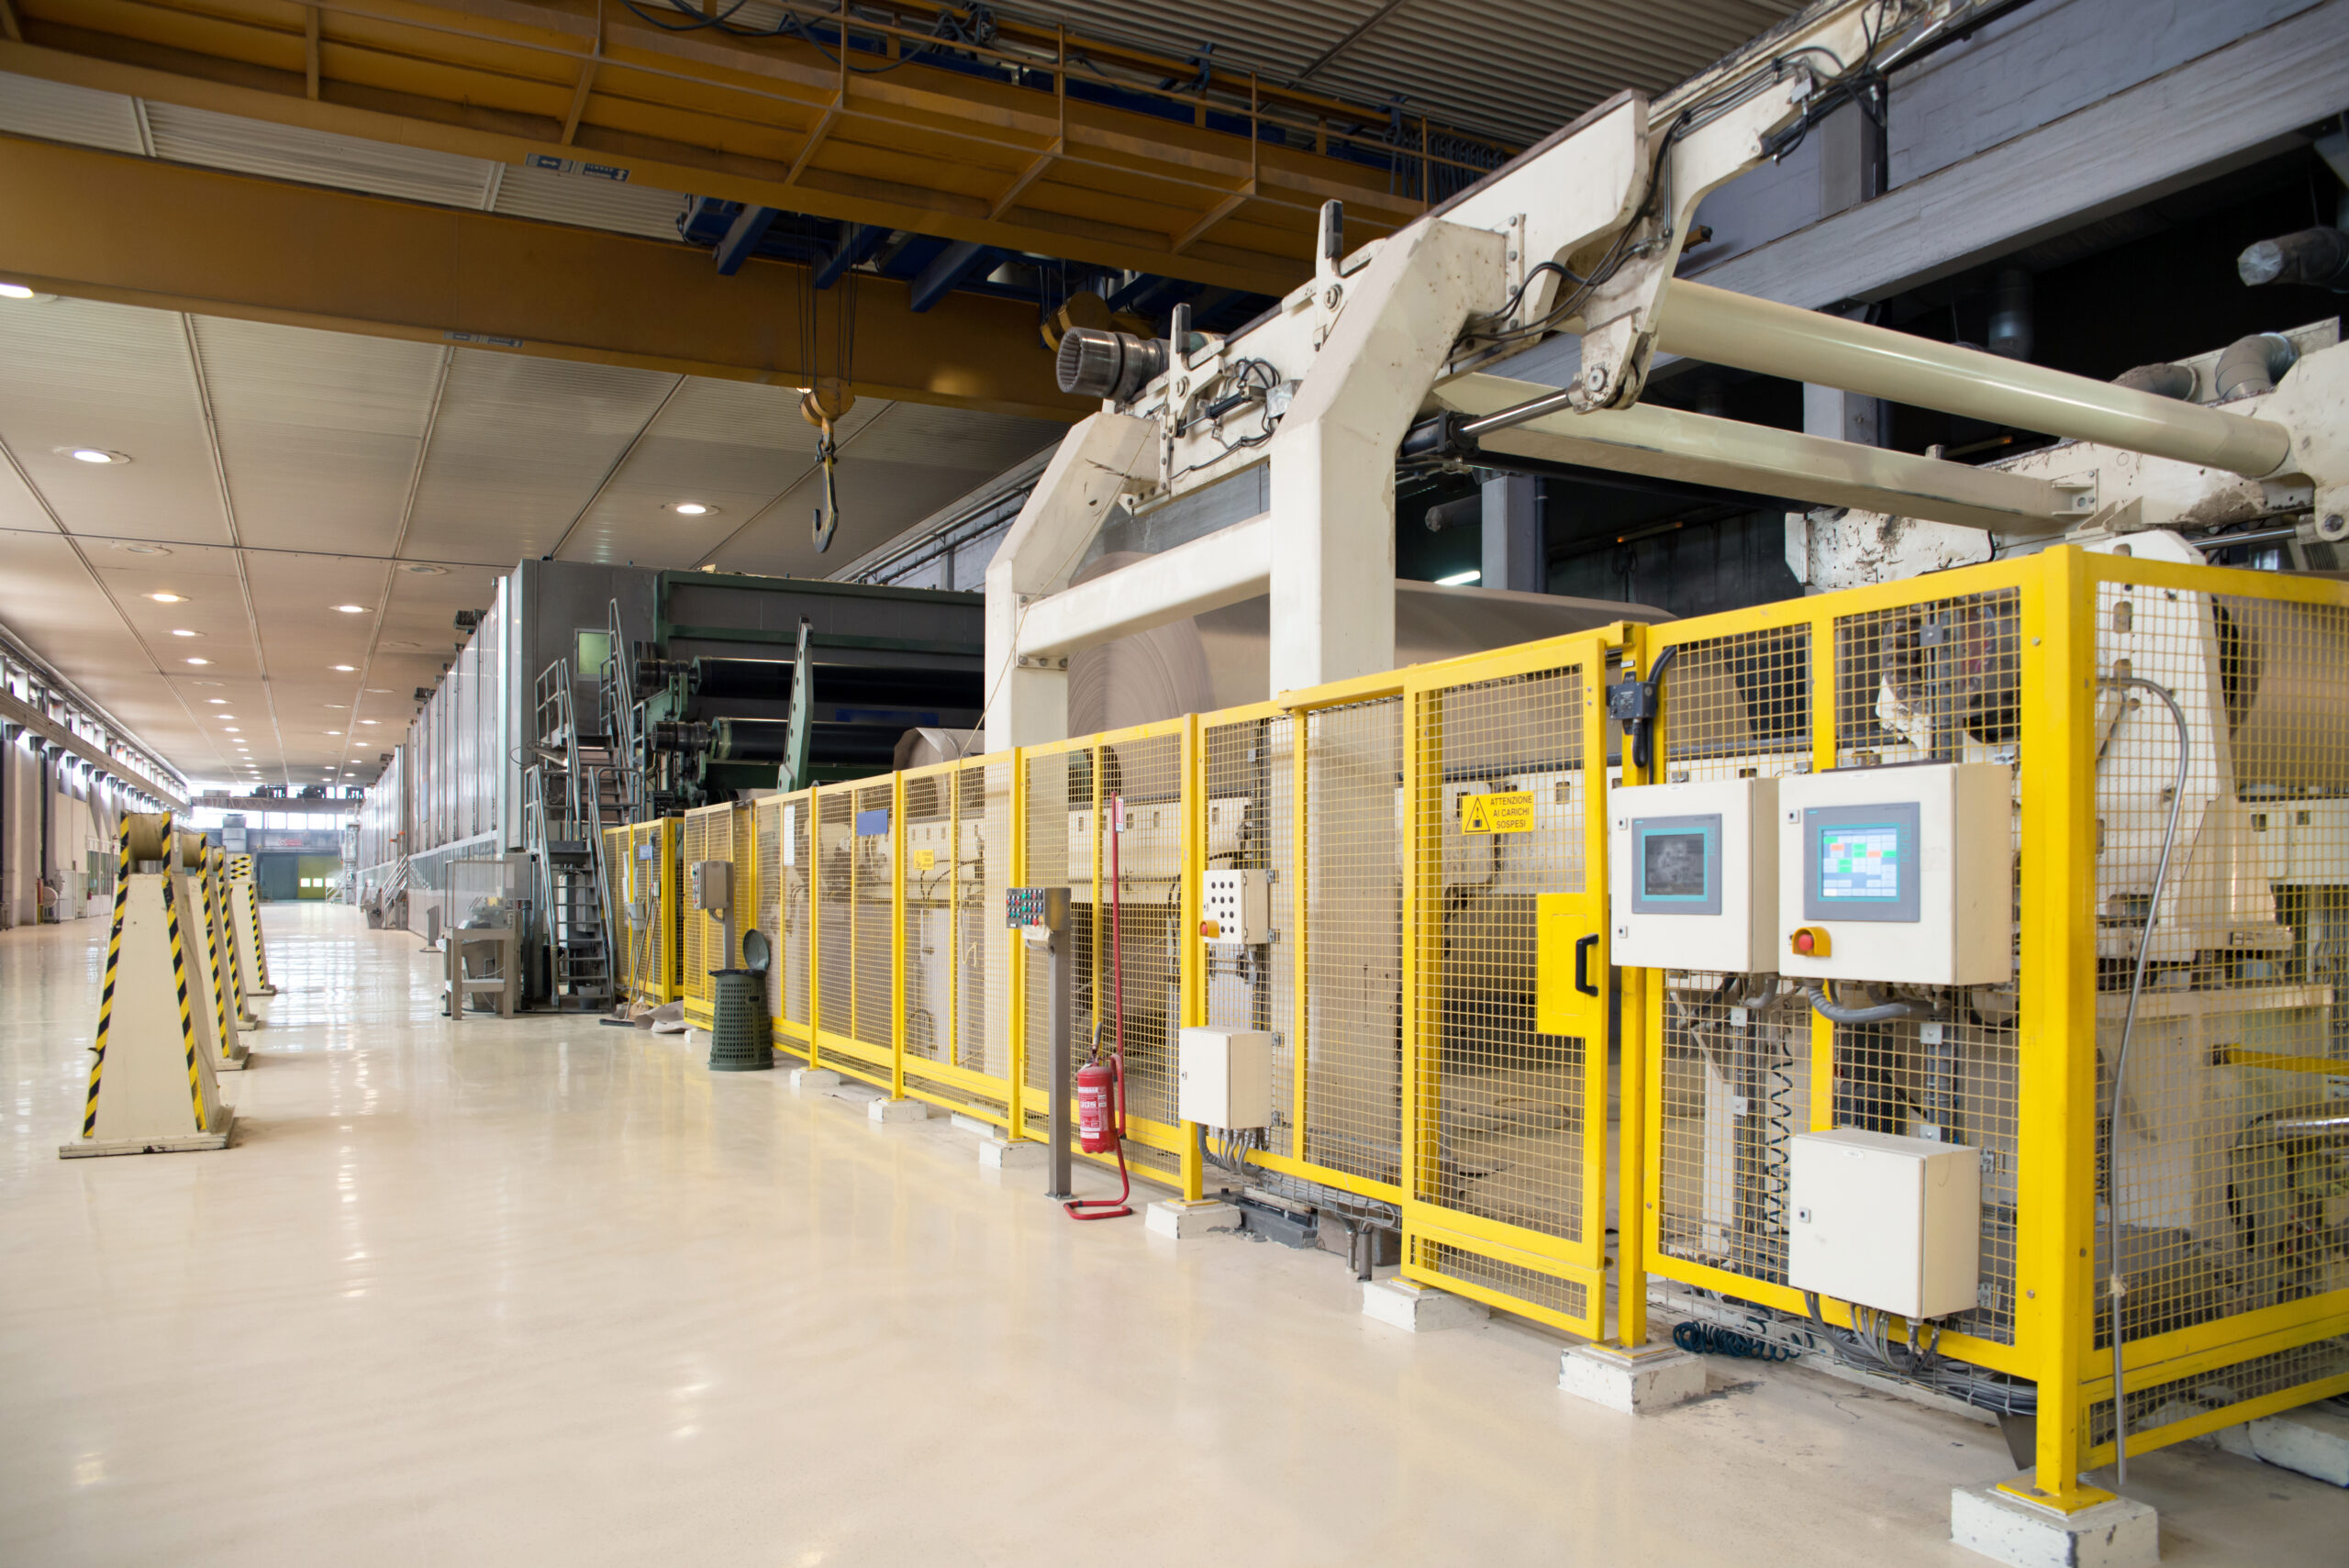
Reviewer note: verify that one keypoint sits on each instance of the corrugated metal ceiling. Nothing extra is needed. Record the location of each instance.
(1514, 72)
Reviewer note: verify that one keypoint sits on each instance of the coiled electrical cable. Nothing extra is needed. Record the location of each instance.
(1713, 1340)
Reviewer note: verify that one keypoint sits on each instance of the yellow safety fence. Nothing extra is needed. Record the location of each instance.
(1435, 842)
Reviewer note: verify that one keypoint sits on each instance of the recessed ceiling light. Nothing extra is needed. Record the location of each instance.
(98, 455)
(334, 731)
(693, 508)
(347, 669)
(138, 546)
(352, 609)
(405, 647)
(219, 701)
(210, 684)
(15, 291)
(168, 598)
(421, 570)
(371, 721)
(199, 661)
(233, 731)
(182, 631)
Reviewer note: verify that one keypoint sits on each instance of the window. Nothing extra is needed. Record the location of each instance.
(595, 648)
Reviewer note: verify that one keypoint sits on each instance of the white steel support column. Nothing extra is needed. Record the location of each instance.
(1028, 700)
(1333, 459)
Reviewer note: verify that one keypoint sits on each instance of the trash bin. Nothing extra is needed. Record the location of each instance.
(738, 1037)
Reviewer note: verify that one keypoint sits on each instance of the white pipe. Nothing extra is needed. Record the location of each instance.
(1222, 568)
(1738, 330)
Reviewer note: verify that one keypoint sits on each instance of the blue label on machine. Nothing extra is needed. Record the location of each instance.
(873, 824)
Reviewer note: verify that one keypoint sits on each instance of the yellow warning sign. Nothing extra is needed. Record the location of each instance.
(1497, 813)
(925, 859)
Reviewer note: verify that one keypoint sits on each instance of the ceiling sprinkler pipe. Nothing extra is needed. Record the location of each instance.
(1744, 333)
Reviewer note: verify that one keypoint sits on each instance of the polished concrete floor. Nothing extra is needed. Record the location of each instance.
(543, 1292)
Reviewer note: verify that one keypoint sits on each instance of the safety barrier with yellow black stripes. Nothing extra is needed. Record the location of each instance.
(1438, 981)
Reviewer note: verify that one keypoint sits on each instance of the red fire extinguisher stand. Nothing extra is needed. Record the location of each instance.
(1101, 1083)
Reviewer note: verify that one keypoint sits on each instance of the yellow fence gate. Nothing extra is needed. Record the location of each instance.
(2113, 692)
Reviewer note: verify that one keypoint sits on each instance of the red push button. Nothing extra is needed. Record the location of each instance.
(1810, 941)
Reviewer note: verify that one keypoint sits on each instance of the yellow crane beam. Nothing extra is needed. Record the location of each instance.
(137, 231)
(877, 134)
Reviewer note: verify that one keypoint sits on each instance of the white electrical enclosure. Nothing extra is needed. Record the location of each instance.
(1900, 875)
(1693, 875)
(1225, 1077)
(1892, 1223)
(1236, 910)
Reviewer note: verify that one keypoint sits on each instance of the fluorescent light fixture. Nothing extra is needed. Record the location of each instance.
(334, 731)
(182, 631)
(352, 609)
(371, 721)
(1458, 578)
(219, 701)
(346, 669)
(15, 291)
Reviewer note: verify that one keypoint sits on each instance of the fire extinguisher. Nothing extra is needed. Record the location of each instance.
(1101, 1082)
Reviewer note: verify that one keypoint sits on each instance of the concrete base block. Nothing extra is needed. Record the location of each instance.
(2008, 1529)
(997, 1152)
(972, 1124)
(1186, 1221)
(887, 1111)
(233, 1060)
(1423, 1309)
(2312, 1441)
(805, 1078)
(1633, 1382)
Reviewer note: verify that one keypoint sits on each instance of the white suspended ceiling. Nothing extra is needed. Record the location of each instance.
(279, 471)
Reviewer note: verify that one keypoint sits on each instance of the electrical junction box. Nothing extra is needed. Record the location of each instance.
(1892, 1223)
(1898, 874)
(1236, 910)
(1693, 875)
(709, 886)
(1036, 912)
(1225, 1077)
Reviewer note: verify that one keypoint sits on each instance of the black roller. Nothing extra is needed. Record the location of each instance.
(749, 739)
(872, 746)
(766, 679)
(880, 686)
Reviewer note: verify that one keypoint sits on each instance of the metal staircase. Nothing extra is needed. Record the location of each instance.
(574, 787)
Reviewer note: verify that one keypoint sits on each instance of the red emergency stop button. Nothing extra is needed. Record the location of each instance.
(1210, 929)
(1810, 941)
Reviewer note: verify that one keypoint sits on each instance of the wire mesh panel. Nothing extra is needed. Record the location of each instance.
(616, 842)
(983, 949)
(1249, 818)
(875, 916)
(693, 845)
(2221, 786)
(1060, 854)
(836, 846)
(795, 882)
(1734, 1084)
(928, 889)
(1353, 936)
(767, 902)
(1136, 963)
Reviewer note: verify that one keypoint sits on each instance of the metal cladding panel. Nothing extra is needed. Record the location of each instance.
(521, 446)
(316, 425)
(54, 111)
(584, 202)
(317, 156)
(86, 373)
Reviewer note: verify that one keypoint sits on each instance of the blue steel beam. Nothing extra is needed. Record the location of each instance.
(741, 242)
(949, 268)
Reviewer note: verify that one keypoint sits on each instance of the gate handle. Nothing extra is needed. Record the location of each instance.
(1582, 965)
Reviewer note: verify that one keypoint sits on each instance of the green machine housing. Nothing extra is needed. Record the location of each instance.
(776, 682)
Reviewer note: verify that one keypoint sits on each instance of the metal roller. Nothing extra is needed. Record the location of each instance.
(1726, 328)
(764, 680)
(148, 831)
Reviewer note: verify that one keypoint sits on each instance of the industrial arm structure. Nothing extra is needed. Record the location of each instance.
(1579, 235)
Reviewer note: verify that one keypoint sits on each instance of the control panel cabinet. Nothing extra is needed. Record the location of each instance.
(1693, 875)
(1897, 874)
